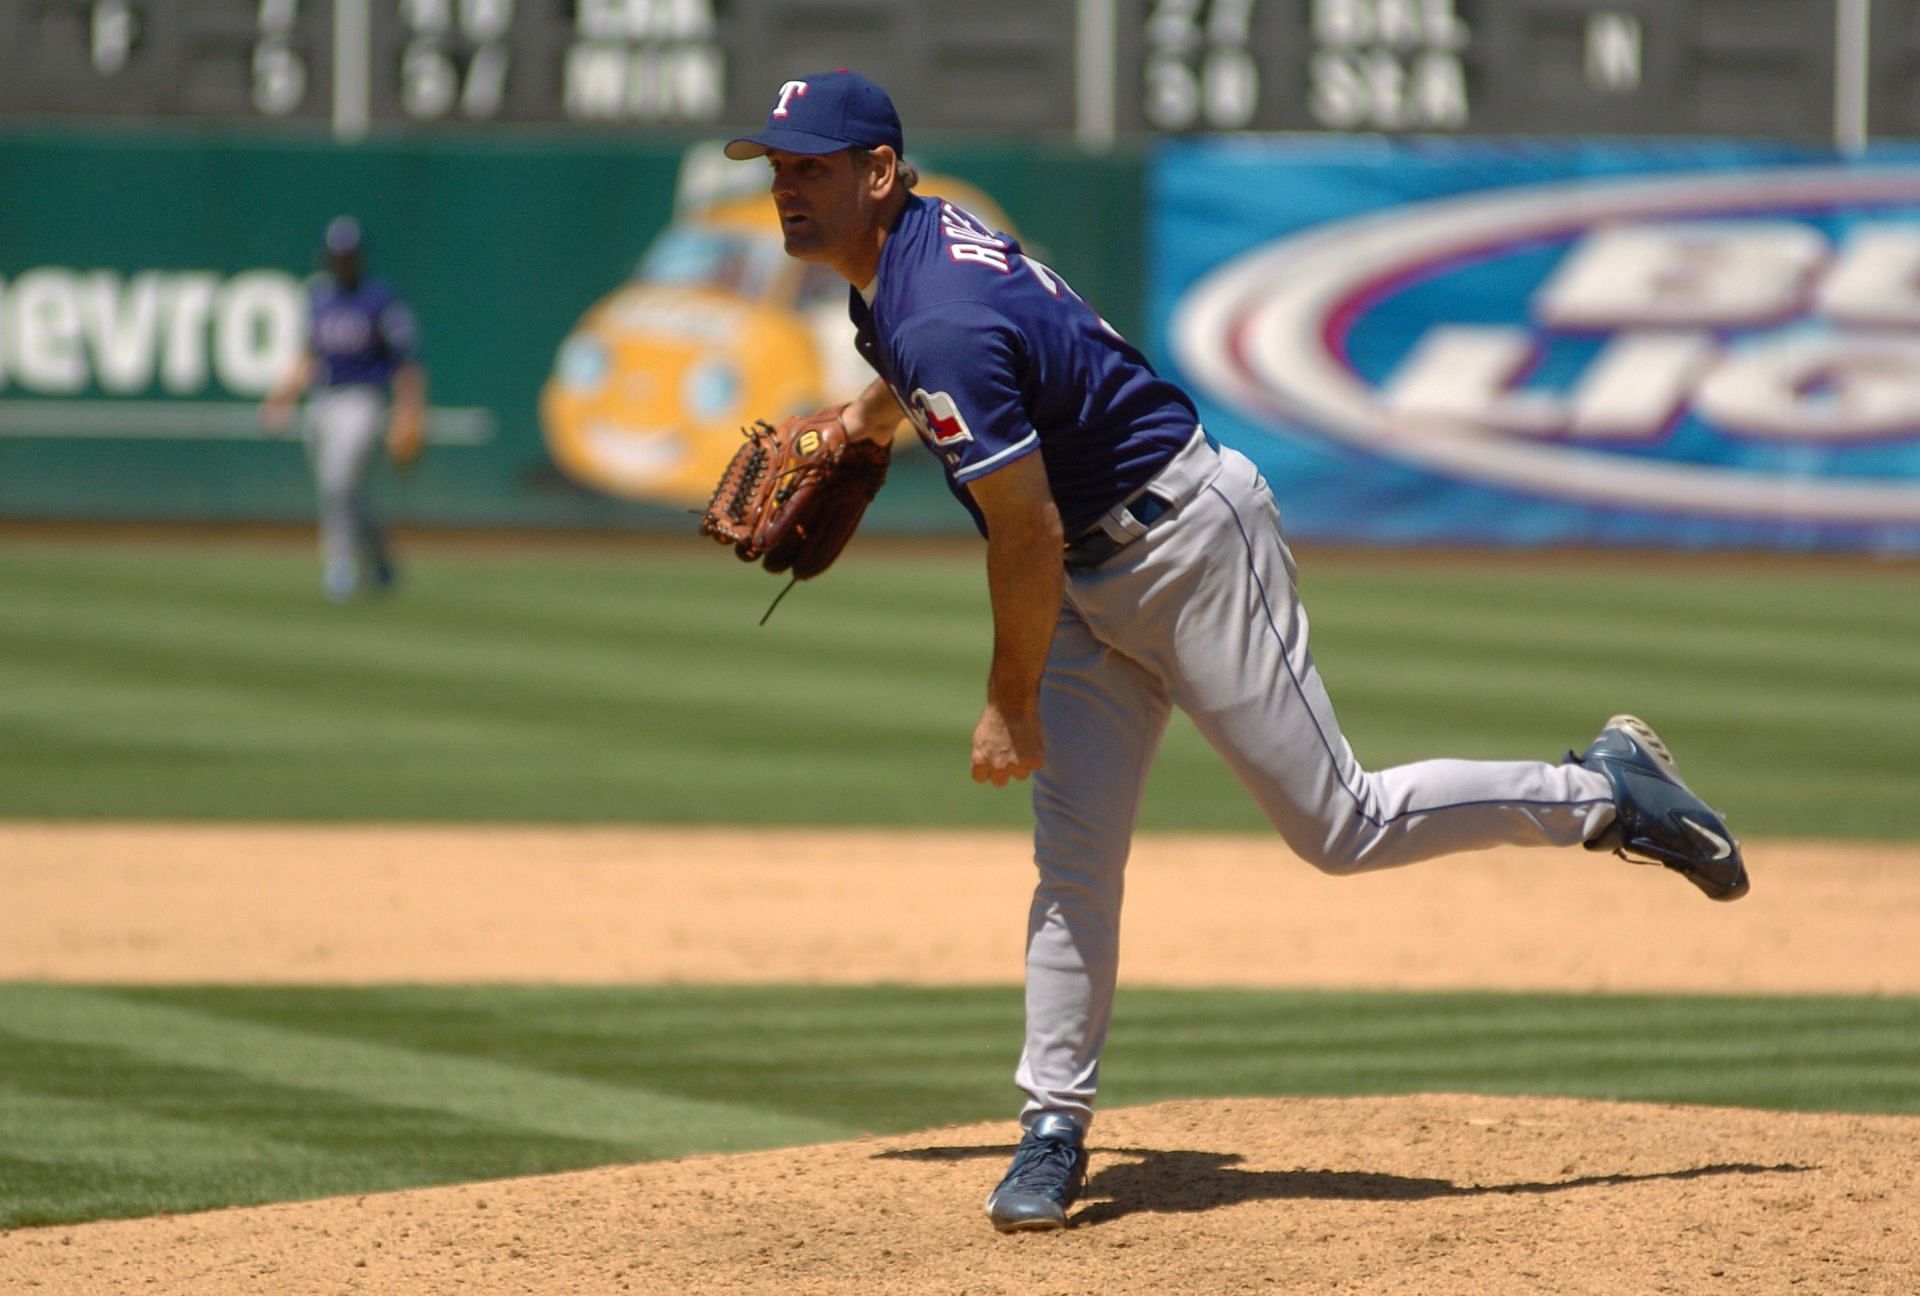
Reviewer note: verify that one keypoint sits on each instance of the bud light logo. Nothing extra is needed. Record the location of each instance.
(1731, 344)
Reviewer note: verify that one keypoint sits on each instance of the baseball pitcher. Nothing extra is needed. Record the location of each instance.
(1135, 564)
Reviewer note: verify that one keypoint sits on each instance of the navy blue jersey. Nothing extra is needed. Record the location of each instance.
(359, 335)
(994, 357)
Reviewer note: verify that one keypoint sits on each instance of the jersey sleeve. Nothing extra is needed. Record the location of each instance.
(960, 379)
(398, 331)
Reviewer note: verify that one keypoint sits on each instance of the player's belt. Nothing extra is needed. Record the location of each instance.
(1191, 468)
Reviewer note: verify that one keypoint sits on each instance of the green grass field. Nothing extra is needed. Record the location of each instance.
(181, 682)
(121, 1101)
(210, 683)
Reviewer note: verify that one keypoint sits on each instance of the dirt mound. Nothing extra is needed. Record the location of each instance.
(1436, 1195)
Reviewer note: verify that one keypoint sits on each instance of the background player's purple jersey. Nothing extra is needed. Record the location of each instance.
(993, 356)
(359, 335)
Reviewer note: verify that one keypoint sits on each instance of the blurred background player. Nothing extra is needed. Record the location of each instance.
(362, 367)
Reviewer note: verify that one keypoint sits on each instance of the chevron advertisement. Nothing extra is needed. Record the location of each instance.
(1464, 342)
(598, 318)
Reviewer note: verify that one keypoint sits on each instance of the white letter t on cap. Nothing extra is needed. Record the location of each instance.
(787, 93)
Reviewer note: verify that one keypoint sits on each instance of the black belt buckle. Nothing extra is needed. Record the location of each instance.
(1095, 546)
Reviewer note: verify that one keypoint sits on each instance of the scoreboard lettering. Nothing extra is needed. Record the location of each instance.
(267, 59)
(1804, 70)
(605, 61)
(1526, 67)
(1388, 65)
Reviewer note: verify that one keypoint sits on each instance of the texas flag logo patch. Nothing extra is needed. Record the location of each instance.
(939, 419)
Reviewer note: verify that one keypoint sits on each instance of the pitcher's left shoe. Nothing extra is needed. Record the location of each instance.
(1049, 1169)
(1657, 818)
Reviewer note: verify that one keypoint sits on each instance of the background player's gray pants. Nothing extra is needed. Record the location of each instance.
(1202, 613)
(344, 429)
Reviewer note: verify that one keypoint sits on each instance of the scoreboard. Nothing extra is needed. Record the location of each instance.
(1574, 67)
(1099, 70)
(354, 65)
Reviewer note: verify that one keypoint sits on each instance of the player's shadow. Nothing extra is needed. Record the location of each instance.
(1168, 1182)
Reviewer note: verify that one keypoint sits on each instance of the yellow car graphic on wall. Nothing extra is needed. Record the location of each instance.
(718, 327)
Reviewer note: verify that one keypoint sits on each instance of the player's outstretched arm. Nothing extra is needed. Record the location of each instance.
(873, 415)
(276, 411)
(407, 423)
(1026, 581)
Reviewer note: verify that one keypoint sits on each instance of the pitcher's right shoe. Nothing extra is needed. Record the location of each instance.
(1657, 818)
(1049, 1169)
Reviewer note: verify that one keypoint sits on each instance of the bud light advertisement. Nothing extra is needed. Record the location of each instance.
(1685, 346)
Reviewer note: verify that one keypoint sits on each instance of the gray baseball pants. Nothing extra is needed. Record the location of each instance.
(1201, 612)
(345, 426)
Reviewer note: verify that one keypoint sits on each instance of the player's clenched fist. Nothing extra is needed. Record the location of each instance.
(1006, 747)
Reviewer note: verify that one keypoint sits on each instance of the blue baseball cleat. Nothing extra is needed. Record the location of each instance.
(1657, 818)
(1049, 1169)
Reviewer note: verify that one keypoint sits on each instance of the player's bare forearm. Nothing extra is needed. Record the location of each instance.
(1025, 581)
(873, 415)
(410, 390)
(277, 408)
(407, 423)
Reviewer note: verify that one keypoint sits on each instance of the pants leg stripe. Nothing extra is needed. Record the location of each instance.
(1326, 745)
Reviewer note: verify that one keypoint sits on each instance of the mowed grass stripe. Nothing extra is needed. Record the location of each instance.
(856, 1057)
(563, 688)
(516, 1096)
(217, 1140)
(245, 1130)
(541, 652)
(125, 1101)
(833, 1052)
(533, 665)
(211, 1111)
(1807, 1053)
(220, 682)
(471, 706)
(118, 1133)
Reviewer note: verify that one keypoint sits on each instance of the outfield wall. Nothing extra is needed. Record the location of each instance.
(150, 291)
(1447, 341)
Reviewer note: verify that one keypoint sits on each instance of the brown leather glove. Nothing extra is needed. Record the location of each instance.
(793, 495)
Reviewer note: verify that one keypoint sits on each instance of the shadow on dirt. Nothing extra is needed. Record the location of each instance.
(1164, 1182)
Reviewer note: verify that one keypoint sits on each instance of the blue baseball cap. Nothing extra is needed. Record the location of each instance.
(825, 113)
(343, 237)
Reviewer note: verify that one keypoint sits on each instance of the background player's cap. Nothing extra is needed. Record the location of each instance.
(825, 113)
(343, 236)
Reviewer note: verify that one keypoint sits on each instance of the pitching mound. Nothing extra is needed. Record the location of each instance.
(1434, 1194)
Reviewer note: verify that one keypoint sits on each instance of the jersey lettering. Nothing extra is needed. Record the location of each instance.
(995, 257)
(788, 93)
(938, 418)
(1048, 279)
(970, 241)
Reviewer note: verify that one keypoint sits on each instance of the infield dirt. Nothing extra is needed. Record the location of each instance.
(155, 903)
(1432, 1194)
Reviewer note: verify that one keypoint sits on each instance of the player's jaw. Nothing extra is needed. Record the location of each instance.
(800, 230)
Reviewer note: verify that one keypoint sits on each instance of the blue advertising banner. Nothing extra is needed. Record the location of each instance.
(1698, 345)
